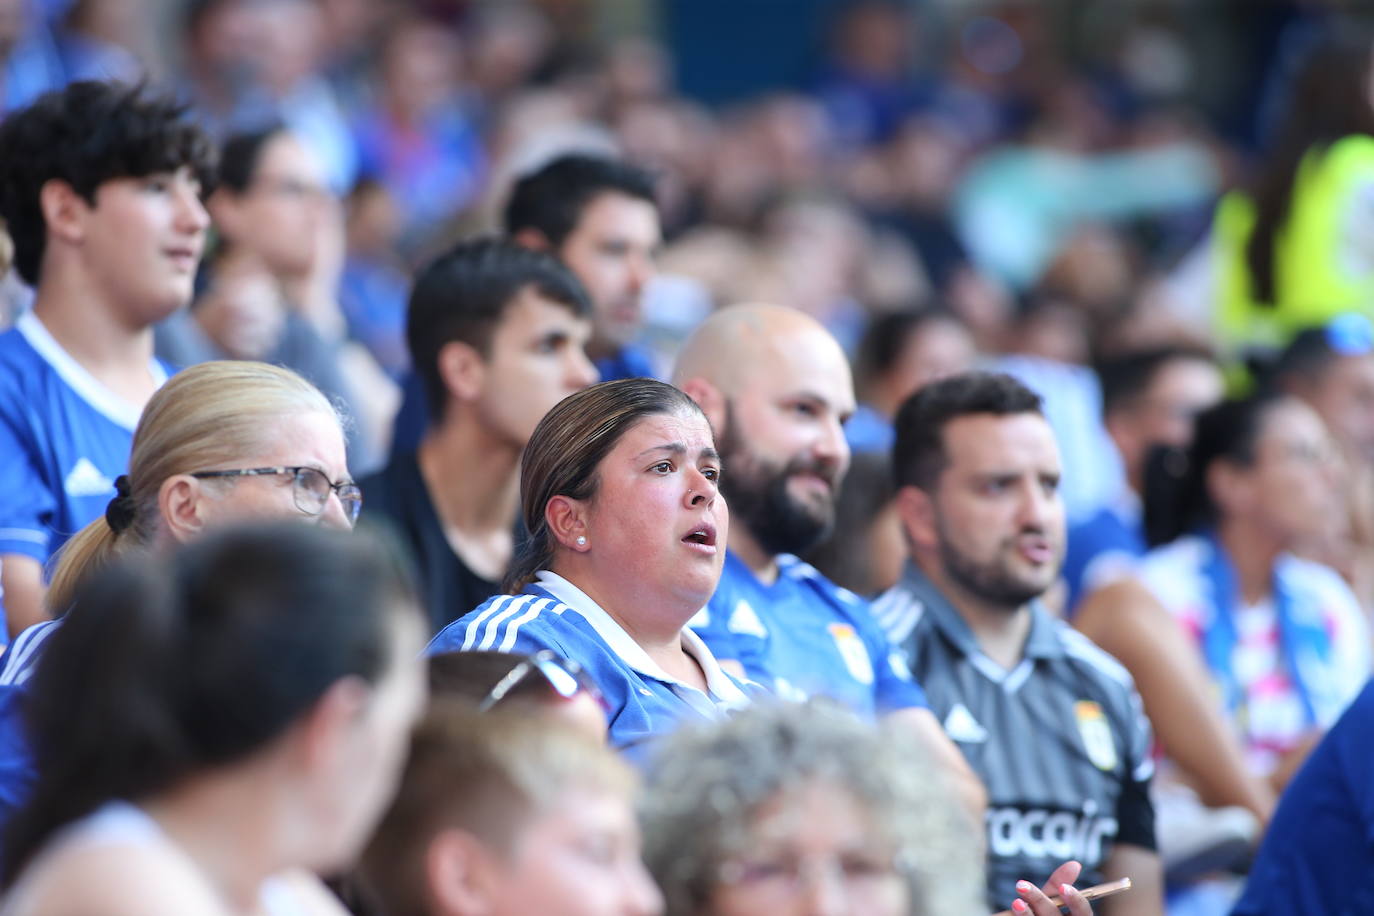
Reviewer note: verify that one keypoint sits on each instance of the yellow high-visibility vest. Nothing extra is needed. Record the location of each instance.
(1315, 276)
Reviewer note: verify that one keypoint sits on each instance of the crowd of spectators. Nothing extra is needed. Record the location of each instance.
(928, 482)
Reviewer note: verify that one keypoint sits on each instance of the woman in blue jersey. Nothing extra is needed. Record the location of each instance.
(212, 725)
(619, 492)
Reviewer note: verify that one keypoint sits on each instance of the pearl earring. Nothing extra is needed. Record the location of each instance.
(581, 541)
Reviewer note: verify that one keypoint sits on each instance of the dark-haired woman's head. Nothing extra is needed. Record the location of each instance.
(272, 201)
(618, 489)
(1265, 462)
(282, 650)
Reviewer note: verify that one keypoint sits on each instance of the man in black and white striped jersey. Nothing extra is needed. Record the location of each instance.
(1050, 723)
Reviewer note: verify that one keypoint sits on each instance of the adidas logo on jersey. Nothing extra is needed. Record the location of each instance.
(961, 726)
(85, 479)
(746, 621)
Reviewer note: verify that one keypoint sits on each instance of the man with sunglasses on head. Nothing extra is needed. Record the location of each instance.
(100, 189)
(497, 333)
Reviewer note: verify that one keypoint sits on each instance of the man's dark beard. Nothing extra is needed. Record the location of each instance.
(987, 582)
(756, 493)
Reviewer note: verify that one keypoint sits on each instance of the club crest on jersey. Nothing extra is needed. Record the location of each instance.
(853, 651)
(1096, 733)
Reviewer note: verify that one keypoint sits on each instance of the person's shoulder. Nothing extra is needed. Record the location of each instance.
(1315, 578)
(507, 623)
(19, 361)
(111, 879)
(814, 581)
(1088, 655)
(901, 614)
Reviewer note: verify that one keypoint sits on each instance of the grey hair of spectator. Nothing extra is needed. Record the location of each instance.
(707, 785)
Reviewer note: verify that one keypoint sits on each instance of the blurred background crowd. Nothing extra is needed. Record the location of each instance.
(1041, 171)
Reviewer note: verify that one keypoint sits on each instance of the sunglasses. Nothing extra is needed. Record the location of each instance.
(564, 676)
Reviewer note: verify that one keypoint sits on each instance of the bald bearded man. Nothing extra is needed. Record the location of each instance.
(777, 389)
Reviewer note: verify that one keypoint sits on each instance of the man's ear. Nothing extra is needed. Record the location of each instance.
(532, 238)
(64, 210)
(463, 370)
(917, 514)
(460, 875)
(710, 399)
(566, 518)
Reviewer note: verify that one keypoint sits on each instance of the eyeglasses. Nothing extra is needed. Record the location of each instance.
(309, 488)
(859, 872)
(565, 676)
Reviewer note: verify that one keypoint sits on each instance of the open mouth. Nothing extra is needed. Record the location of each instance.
(702, 534)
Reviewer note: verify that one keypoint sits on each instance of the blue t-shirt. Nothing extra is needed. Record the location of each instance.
(64, 438)
(17, 774)
(1319, 850)
(631, 361)
(644, 701)
(1103, 547)
(804, 636)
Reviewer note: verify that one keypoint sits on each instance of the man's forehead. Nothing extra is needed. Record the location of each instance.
(989, 442)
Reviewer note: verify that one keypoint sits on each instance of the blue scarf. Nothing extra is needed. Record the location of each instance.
(1304, 644)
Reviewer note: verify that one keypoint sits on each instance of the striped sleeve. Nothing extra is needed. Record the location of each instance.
(500, 625)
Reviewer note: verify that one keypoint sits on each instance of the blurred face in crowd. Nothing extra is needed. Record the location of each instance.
(1289, 489)
(656, 519)
(784, 441)
(995, 516)
(580, 858)
(812, 851)
(612, 249)
(141, 241)
(1344, 398)
(1164, 413)
(936, 349)
(537, 357)
(284, 211)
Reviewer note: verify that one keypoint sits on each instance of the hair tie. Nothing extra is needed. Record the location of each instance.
(119, 514)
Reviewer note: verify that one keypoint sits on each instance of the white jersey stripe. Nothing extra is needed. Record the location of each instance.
(513, 628)
(470, 635)
(19, 661)
(495, 624)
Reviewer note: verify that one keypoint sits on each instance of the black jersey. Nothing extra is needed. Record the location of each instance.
(1059, 741)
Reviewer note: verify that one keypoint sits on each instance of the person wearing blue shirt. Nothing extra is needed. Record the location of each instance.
(108, 228)
(627, 534)
(1149, 399)
(1320, 844)
(600, 218)
(777, 388)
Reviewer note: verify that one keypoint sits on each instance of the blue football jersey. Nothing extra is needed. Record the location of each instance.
(644, 701)
(64, 438)
(803, 636)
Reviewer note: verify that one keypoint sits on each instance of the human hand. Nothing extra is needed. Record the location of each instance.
(1035, 901)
